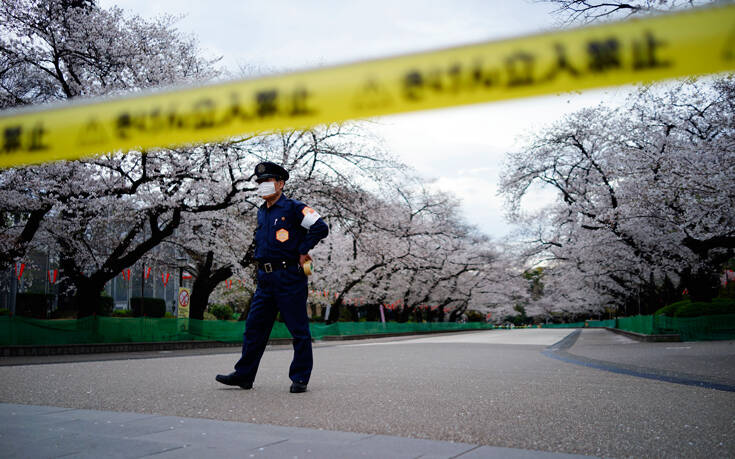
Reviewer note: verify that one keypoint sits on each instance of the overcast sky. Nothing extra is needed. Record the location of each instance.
(459, 149)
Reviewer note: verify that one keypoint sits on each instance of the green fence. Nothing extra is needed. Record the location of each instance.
(697, 328)
(690, 328)
(24, 331)
(639, 324)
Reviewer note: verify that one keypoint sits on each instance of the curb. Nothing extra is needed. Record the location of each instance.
(388, 335)
(104, 348)
(664, 338)
(559, 351)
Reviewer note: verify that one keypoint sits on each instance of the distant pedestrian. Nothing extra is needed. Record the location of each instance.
(287, 230)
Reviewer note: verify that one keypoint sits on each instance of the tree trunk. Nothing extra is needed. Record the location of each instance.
(334, 312)
(88, 296)
(669, 293)
(405, 313)
(90, 287)
(17, 249)
(439, 313)
(205, 283)
(703, 284)
(340, 298)
(200, 292)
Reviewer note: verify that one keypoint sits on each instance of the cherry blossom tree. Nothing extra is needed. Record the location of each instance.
(213, 247)
(325, 164)
(645, 192)
(57, 50)
(586, 11)
(111, 211)
(412, 252)
(392, 238)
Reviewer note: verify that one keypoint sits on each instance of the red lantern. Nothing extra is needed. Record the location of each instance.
(19, 273)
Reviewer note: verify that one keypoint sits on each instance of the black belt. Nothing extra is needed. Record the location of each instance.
(271, 265)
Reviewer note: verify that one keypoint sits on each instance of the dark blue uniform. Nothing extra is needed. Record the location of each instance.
(286, 230)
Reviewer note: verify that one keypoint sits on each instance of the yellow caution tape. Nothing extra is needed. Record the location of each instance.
(308, 267)
(668, 46)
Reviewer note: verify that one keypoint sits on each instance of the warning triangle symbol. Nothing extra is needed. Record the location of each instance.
(371, 95)
(92, 133)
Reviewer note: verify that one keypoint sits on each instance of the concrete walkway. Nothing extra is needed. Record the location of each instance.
(482, 394)
(44, 431)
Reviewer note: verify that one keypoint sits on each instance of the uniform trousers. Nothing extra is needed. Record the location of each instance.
(283, 290)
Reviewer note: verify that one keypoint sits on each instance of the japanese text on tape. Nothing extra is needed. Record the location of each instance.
(689, 43)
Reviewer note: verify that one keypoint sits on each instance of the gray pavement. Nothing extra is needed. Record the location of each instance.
(706, 360)
(42, 431)
(488, 389)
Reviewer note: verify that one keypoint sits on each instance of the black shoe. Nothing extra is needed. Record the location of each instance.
(234, 380)
(297, 388)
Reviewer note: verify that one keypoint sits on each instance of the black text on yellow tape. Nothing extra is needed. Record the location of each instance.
(690, 43)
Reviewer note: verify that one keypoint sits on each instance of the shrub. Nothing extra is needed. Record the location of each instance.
(671, 309)
(689, 308)
(34, 305)
(347, 314)
(121, 313)
(66, 303)
(64, 314)
(4, 312)
(475, 316)
(209, 316)
(716, 307)
(221, 311)
(149, 307)
(68, 306)
(105, 306)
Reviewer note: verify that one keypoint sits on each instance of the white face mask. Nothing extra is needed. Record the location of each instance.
(266, 189)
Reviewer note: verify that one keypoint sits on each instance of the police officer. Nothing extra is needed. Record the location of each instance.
(287, 230)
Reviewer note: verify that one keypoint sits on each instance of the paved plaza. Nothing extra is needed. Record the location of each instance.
(500, 393)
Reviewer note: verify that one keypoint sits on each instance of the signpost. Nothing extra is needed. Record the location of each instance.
(183, 308)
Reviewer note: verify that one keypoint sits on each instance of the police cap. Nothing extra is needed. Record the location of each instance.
(267, 169)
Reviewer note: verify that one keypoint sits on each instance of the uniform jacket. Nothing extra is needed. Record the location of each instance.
(287, 229)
